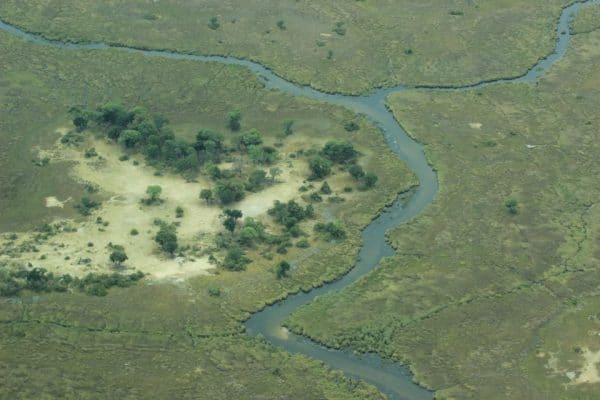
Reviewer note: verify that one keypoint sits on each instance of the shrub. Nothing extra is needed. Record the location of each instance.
(512, 206)
(87, 205)
(281, 25)
(178, 212)
(234, 119)
(370, 180)
(356, 171)
(91, 152)
(153, 192)
(339, 28)
(213, 23)
(167, 238)
(331, 230)
(325, 188)
(288, 127)
(134, 232)
(319, 167)
(214, 291)
(118, 256)
(351, 126)
(282, 269)
(339, 151)
(229, 190)
(235, 259)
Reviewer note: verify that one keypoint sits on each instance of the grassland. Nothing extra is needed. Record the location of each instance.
(480, 301)
(587, 20)
(160, 326)
(376, 43)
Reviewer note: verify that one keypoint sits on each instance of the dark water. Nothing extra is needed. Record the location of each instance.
(391, 378)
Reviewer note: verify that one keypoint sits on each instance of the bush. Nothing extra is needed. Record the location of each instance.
(235, 259)
(118, 256)
(370, 180)
(290, 213)
(167, 238)
(91, 152)
(339, 28)
(214, 291)
(87, 205)
(512, 206)
(356, 171)
(319, 167)
(332, 230)
(213, 23)
(234, 119)
(153, 192)
(340, 151)
(178, 212)
(229, 190)
(325, 188)
(134, 232)
(288, 127)
(282, 269)
(351, 126)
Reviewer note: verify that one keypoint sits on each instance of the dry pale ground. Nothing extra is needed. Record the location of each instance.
(126, 184)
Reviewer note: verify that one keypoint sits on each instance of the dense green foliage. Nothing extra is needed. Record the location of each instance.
(166, 237)
(290, 213)
(12, 282)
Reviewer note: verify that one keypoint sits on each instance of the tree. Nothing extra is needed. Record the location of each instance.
(167, 238)
(339, 151)
(356, 171)
(129, 138)
(250, 138)
(281, 25)
(213, 23)
(282, 269)
(81, 122)
(209, 145)
(370, 180)
(325, 188)
(118, 256)
(512, 206)
(231, 216)
(235, 259)
(319, 166)
(288, 127)
(230, 190)
(206, 195)
(274, 171)
(234, 120)
(256, 180)
(153, 192)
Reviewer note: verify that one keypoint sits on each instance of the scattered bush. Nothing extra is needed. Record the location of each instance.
(332, 230)
(512, 206)
(86, 205)
(281, 25)
(134, 232)
(206, 195)
(213, 23)
(229, 190)
(234, 119)
(340, 151)
(282, 269)
(91, 152)
(356, 171)
(235, 259)
(290, 213)
(167, 238)
(288, 127)
(214, 291)
(178, 212)
(153, 192)
(319, 167)
(351, 126)
(118, 255)
(340, 28)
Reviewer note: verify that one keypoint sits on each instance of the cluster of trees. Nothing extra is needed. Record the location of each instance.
(40, 280)
(340, 152)
(138, 130)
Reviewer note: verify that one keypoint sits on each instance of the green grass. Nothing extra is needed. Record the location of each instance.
(476, 291)
(384, 43)
(587, 20)
(150, 328)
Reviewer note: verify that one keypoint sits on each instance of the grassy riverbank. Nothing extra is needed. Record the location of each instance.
(184, 333)
(493, 293)
(344, 46)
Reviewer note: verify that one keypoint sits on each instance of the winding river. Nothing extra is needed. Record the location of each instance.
(389, 377)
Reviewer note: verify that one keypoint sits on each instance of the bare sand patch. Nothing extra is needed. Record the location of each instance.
(475, 125)
(53, 202)
(590, 372)
(86, 249)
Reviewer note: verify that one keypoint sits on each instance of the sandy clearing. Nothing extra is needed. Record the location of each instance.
(590, 372)
(475, 125)
(53, 202)
(87, 249)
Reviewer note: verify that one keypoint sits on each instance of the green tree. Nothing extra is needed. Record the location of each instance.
(370, 180)
(319, 167)
(251, 138)
(512, 206)
(256, 180)
(213, 23)
(325, 188)
(288, 127)
(206, 195)
(167, 238)
(356, 171)
(340, 151)
(235, 259)
(234, 119)
(209, 145)
(230, 218)
(274, 172)
(229, 190)
(118, 256)
(282, 269)
(130, 138)
(81, 122)
(153, 192)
